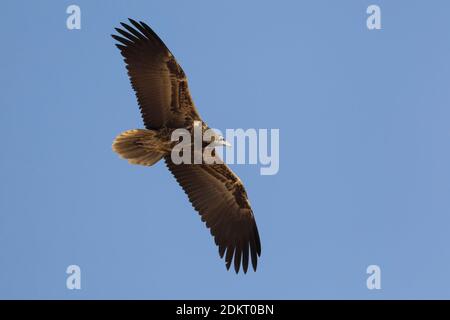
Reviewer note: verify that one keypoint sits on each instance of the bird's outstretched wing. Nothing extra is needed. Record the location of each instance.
(159, 82)
(220, 198)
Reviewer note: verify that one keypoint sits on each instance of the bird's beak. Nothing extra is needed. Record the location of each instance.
(226, 143)
(223, 143)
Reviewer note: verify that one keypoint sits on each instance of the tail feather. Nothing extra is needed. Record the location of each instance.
(138, 146)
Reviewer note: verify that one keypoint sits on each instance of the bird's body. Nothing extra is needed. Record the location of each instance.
(166, 105)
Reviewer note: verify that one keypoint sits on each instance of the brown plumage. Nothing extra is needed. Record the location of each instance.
(163, 96)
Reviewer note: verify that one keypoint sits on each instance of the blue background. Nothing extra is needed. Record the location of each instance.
(364, 154)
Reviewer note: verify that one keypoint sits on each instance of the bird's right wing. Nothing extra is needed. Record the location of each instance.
(159, 82)
(220, 198)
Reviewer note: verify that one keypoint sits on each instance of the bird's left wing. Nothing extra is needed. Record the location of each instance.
(159, 81)
(220, 198)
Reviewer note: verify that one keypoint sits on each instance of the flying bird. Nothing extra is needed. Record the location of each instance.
(165, 103)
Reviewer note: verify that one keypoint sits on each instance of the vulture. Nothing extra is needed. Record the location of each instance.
(165, 104)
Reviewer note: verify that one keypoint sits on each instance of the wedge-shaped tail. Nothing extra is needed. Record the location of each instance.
(139, 146)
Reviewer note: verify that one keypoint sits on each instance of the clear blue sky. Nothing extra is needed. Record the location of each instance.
(364, 166)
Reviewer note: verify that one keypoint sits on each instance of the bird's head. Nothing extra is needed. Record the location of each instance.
(218, 141)
(222, 142)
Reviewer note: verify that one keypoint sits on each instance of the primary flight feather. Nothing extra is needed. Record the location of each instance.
(165, 103)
